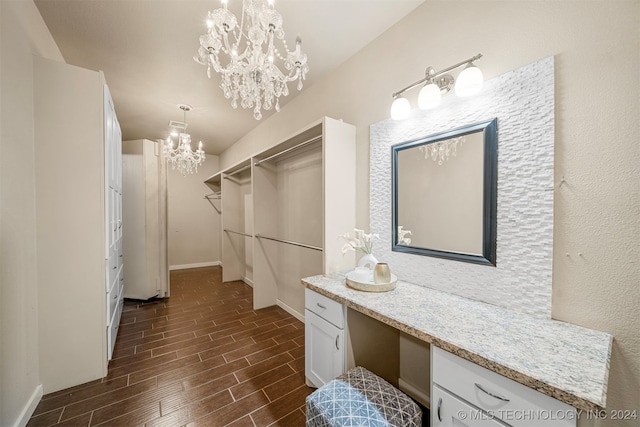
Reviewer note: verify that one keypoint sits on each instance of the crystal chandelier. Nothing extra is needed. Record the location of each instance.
(441, 151)
(245, 55)
(182, 157)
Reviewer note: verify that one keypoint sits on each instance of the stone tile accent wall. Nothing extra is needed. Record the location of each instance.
(523, 102)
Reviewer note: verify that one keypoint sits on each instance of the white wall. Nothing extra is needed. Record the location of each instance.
(194, 225)
(595, 45)
(23, 34)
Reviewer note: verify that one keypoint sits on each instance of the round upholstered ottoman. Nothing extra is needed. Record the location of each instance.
(361, 398)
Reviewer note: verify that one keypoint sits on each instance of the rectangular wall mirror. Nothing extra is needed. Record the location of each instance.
(444, 194)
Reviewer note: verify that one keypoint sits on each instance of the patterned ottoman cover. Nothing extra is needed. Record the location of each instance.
(360, 398)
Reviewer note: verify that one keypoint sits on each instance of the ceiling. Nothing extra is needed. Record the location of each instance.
(145, 49)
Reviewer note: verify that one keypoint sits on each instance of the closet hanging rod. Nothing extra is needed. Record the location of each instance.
(290, 242)
(242, 169)
(295, 147)
(237, 232)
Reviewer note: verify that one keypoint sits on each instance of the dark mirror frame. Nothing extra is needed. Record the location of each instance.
(490, 193)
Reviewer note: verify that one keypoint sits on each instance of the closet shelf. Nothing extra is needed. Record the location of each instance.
(238, 232)
(235, 181)
(237, 171)
(290, 242)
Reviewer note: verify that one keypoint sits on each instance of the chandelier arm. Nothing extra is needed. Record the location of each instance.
(291, 78)
(225, 40)
(241, 27)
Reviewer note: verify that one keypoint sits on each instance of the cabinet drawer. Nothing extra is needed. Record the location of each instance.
(112, 330)
(448, 411)
(121, 284)
(112, 270)
(119, 251)
(324, 307)
(510, 401)
(112, 302)
(114, 322)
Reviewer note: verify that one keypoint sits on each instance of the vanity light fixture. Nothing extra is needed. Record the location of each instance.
(438, 83)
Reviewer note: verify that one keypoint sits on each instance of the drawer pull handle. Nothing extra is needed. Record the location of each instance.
(439, 405)
(115, 267)
(504, 399)
(321, 306)
(337, 346)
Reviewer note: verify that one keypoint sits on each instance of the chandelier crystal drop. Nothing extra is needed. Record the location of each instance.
(182, 157)
(441, 151)
(244, 53)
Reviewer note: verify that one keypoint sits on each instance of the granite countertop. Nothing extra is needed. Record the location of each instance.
(561, 360)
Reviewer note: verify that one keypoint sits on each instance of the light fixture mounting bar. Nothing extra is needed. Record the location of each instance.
(436, 74)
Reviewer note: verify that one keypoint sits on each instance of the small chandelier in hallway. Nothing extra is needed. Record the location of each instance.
(245, 55)
(182, 157)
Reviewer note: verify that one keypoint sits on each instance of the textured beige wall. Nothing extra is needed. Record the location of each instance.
(595, 44)
(194, 225)
(23, 34)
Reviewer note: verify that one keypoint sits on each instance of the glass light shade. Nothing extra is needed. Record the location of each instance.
(400, 109)
(429, 97)
(469, 81)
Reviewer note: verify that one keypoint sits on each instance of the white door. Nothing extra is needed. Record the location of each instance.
(325, 353)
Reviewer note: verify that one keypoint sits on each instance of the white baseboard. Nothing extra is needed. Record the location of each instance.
(290, 310)
(415, 392)
(29, 408)
(247, 281)
(196, 265)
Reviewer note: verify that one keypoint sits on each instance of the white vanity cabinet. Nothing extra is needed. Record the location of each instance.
(324, 338)
(568, 364)
(463, 392)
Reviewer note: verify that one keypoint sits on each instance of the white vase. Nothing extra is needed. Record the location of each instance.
(368, 260)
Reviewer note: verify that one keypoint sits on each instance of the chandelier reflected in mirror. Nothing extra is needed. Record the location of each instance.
(183, 158)
(441, 151)
(244, 53)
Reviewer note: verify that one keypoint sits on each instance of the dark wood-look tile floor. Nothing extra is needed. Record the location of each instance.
(203, 357)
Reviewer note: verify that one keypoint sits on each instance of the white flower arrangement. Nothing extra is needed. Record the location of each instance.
(402, 236)
(361, 241)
